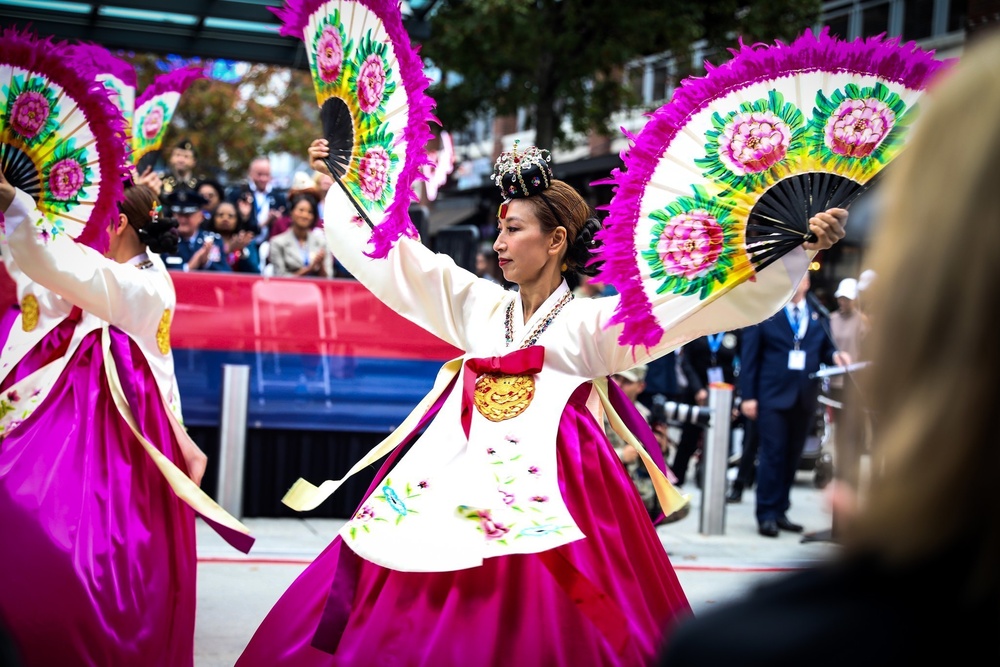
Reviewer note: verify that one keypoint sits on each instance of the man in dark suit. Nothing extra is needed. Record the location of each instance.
(269, 203)
(778, 356)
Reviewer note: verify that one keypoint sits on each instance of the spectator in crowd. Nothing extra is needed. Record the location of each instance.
(632, 382)
(865, 281)
(917, 575)
(846, 323)
(301, 250)
(239, 249)
(269, 204)
(778, 356)
(588, 288)
(323, 183)
(302, 184)
(706, 360)
(486, 265)
(213, 193)
(848, 328)
(180, 168)
(198, 250)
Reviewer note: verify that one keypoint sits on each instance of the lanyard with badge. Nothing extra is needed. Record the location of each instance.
(714, 370)
(797, 357)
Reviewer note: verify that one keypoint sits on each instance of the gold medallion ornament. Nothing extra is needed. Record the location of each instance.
(163, 333)
(503, 397)
(29, 312)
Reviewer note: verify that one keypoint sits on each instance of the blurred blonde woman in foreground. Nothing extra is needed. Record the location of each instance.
(920, 571)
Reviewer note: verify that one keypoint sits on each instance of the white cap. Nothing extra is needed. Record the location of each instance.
(302, 181)
(848, 289)
(866, 279)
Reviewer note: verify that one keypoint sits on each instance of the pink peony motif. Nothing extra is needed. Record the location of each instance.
(13, 396)
(857, 127)
(690, 244)
(29, 113)
(371, 83)
(373, 172)
(329, 54)
(493, 530)
(754, 142)
(152, 123)
(65, 179)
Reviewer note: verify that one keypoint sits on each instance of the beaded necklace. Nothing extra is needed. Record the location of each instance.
(540, 327)
(144, 264)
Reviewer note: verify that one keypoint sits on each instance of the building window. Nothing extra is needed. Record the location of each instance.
(875, 18)
(661, 81)
(957, 15)
(918, 19)
(840, 25)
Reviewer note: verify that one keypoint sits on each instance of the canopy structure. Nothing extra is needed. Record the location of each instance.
(219, 29)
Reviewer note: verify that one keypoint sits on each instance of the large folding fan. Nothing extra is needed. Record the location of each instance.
(154, 110)
(722, 180)
(62, 140)
(370, 88)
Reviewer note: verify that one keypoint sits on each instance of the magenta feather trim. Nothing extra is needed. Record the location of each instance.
(294, 17)
(79, 81)
(176, 81)
(905, 64)
(103, 61)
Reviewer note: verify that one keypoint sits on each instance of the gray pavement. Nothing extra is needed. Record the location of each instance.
(235, 592)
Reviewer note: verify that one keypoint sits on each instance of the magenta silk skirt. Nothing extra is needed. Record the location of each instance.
(98, 561)
(511, 610)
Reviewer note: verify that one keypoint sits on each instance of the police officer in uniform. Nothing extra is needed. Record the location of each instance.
(198, 249)
(182, 162)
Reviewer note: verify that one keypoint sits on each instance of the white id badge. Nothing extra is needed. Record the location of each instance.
(715, 375)
(796, 360)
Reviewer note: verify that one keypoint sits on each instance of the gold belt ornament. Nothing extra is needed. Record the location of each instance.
(502, 397)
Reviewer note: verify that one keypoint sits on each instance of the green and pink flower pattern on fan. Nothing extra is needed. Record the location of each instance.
(689, 244)
(747, 142)
(370, 183)
(67, 176)
(331, 48)
(31, 110)
(372, 79)
(858, 124)
(152, 124)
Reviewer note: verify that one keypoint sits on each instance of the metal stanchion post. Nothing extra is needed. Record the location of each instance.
(232, 437)
(716, 453)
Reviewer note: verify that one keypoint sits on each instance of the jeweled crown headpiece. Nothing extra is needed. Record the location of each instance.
(522, 173)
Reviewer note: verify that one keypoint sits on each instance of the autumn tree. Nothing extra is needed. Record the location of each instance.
(269, 109)
(564, 58)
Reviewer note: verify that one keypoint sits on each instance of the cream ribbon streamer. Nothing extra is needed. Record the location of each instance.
(304, 495)
(181, 484)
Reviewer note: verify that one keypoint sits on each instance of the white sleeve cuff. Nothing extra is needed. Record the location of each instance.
(18, 211)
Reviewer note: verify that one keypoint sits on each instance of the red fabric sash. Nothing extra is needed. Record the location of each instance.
(527, 361)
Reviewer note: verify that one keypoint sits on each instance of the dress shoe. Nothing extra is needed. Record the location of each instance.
(784, 524)
(735, 494)
(768, 528)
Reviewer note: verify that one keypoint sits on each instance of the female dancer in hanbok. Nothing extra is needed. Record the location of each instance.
(98, 561)
(509, 533)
